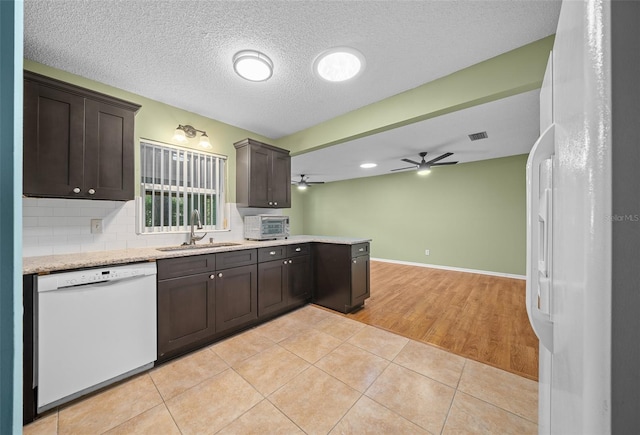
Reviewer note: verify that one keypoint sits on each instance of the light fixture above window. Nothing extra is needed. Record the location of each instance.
(339, 64)
(252, 65)
(185, 132)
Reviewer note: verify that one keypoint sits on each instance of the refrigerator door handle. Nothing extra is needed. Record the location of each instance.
(538, 238)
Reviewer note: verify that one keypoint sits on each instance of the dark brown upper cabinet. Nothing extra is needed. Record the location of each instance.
(77, 143)
(263, 175)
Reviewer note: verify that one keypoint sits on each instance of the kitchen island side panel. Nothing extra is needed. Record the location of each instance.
(333, 276)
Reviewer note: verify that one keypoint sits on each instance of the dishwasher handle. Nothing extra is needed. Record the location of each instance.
(93, 277)
(96, 284)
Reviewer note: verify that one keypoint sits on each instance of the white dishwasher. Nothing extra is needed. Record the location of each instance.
(94, 327)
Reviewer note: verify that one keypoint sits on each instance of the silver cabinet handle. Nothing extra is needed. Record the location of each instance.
(361, 249)
(355, 261)
(290, 261)
(220, 275)
(298, 249)
(272, 253)
(270, 203)
(76, 190)
(212, 276)
(91, 191)
(275, 203)
(284, 262)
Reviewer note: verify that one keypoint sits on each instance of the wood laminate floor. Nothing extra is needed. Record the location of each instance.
(480, 317)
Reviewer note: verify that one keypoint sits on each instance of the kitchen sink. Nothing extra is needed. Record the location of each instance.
(195, 247)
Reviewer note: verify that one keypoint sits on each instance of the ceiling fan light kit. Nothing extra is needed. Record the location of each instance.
(423, 167)
(304, 182)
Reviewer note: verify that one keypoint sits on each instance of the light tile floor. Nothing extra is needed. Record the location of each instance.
(310, 371)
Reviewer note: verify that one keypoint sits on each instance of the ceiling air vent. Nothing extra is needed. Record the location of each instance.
(478, 136)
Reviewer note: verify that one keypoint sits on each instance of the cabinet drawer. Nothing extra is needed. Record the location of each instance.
(183, 266)
(360, 249)
(303, 249)
(272, 253)
(244, 257)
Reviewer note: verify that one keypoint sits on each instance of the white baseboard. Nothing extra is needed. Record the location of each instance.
(457, 269)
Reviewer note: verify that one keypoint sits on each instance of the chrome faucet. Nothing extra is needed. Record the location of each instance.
(195, 218)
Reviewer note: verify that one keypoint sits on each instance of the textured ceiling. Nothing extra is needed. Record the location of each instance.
(179, 52)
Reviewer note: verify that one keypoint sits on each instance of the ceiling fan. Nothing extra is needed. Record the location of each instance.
(423, 166)
(304, 183)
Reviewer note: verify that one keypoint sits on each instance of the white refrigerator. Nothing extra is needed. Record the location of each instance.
(583, 216)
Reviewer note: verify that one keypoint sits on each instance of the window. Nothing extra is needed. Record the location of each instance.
(174, 181)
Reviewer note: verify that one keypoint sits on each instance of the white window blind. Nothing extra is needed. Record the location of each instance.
(174, 181)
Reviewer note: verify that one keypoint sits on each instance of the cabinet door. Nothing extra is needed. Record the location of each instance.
(300, 279)
(236, 296)
(259, 177)
(53, 141)
(109, 171)
(272, 286)
(280, 180)
(359, 280)
(186, 312)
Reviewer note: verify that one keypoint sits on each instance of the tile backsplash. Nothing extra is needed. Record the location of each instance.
(63, 226)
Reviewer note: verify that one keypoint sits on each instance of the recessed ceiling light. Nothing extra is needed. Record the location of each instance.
(252, 65)
(368, 165)
(339, 64)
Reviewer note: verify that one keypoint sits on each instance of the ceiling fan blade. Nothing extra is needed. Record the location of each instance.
(444, 156)
(315, 182)
(403, 169)
(410, 161)
(443, 163)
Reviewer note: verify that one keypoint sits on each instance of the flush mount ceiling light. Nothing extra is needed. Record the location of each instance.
(252, 65)
(339, 64)
(368, 165)
(185, 132)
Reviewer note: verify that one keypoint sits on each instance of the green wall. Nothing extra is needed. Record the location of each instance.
(158, 121)
(470, 215)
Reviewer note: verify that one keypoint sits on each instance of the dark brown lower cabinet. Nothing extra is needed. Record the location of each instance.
(300, 279)
(342, 276)
(198, 304)
(359, 280)
(272, 285)
(236, 297)
(186, 312)
(285, 282)
(203, 298)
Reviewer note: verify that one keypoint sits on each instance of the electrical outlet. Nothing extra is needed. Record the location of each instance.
(96, 226)
(427, 252)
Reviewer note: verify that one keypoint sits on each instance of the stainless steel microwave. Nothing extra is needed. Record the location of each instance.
(266, 227)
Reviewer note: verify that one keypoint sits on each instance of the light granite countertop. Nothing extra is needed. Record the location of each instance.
(53, 263)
